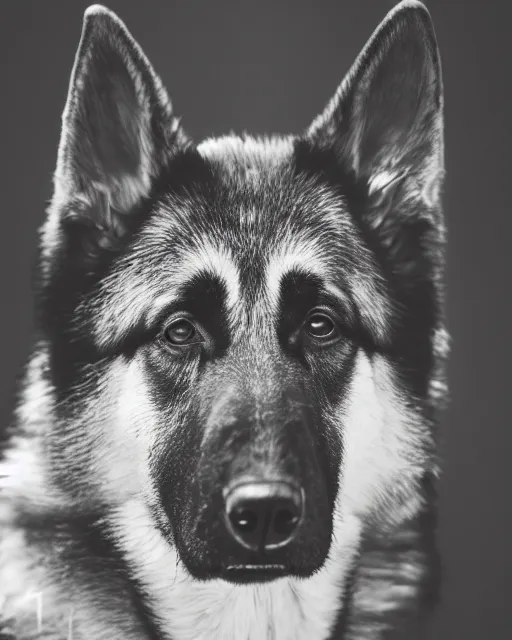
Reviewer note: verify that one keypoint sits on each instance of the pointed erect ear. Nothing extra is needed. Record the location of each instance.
(384, 124)
(118, 129)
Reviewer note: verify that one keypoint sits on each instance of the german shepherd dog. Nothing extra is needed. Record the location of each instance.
(228, 425)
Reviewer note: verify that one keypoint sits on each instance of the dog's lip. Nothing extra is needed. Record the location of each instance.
(247, 573)
(256, 567)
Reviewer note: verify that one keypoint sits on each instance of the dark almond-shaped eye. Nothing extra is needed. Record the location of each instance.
(181, 332)
(320, 326)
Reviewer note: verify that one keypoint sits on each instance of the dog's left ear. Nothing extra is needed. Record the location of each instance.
(385, 123)
(118, 132)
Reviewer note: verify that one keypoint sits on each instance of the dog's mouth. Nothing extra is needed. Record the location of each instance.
(251, 573)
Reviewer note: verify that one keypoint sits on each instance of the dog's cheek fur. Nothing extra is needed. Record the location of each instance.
(127, 428)
(137, 418)
(387, 446)
(106, 463)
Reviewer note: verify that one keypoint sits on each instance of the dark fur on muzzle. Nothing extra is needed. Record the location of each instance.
(249, 484)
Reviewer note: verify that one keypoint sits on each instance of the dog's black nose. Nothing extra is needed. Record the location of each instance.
(263, 515)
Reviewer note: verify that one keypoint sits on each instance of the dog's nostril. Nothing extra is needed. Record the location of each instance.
(263, 515)
(285, 522)
(244, 520)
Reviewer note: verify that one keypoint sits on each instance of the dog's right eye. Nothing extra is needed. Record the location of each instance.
(181, 332)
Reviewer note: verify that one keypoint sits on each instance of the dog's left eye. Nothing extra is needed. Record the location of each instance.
(181, 332)
(320, 326)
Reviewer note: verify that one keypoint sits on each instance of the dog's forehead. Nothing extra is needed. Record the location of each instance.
(249, 222)
(248, 210)
(247, 189)
(252, 200)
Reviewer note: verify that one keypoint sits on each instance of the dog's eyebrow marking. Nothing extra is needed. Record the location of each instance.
(301, 257)
(217, 260)
(206, 258)
(307, 256)
(150, 292)
(336, 292)
(161, 303)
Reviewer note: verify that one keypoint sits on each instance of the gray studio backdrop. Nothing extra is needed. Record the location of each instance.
(269, 66)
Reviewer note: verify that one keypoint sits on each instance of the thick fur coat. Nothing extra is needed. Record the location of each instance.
(241, 305)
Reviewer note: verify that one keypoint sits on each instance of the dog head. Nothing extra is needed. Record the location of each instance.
(244, 334)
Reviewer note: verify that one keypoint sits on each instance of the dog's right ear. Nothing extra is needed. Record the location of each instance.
(383, 130)
(118, 131)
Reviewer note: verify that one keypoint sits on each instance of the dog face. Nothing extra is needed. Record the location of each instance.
(243, 335)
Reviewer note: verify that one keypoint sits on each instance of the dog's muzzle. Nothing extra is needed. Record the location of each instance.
(254, 500)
